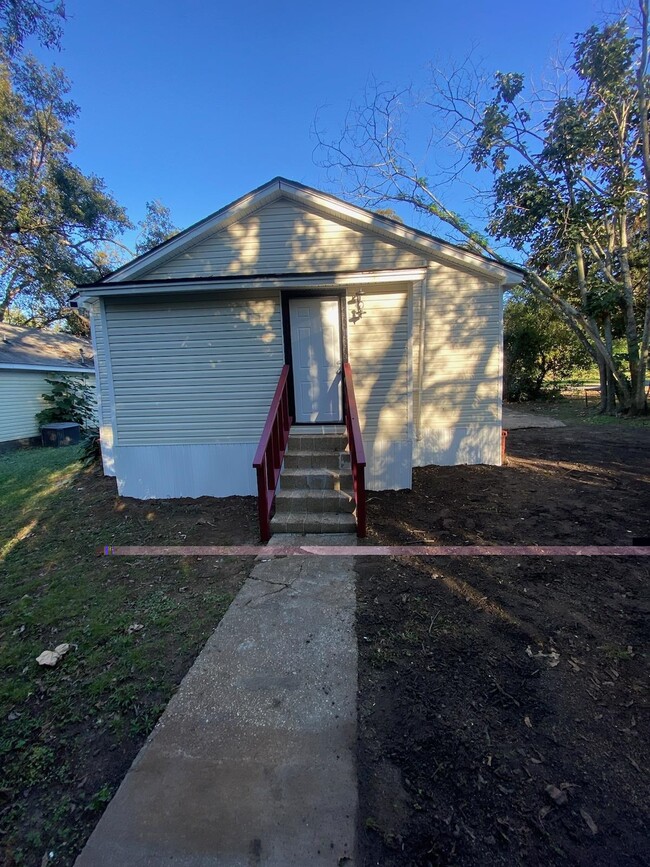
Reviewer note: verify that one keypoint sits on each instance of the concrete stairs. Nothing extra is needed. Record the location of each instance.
(316, 494)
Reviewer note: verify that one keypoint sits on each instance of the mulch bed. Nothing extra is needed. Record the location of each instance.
(503, 701)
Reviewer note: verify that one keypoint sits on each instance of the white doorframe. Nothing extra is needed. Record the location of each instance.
(316, 359)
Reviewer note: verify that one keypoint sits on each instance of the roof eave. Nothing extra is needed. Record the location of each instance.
(431, 247)
(51, 368)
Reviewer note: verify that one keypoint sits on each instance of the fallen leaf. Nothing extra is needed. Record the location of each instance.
(552, 656)
(51, 657)
(589, 822)
(557, 795)
(48, 657)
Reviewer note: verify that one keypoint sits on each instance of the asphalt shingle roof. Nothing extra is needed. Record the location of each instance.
(38, 348)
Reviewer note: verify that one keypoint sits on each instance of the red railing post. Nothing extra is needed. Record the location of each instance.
(270, 453)
(262, 508)
(357, 454)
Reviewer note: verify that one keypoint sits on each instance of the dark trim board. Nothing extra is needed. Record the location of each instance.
(286, 295)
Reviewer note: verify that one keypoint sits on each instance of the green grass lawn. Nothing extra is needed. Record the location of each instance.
(68, 734)
(571, 409)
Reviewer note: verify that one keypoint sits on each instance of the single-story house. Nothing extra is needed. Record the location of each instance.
(28, 357)
(191, 338)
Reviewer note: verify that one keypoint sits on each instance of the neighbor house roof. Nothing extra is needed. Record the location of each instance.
(35, 349)
(134, 273)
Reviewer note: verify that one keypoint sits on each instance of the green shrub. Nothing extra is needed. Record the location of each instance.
(91, 446)
(540, 349)
(71, 399)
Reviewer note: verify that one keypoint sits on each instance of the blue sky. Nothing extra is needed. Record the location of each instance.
(197, 103)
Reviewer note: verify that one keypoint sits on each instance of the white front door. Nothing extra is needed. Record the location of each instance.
(316, 359)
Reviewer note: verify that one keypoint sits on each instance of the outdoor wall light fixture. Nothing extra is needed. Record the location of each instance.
(356, 306)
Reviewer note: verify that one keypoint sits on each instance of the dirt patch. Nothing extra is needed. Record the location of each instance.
(503, 702)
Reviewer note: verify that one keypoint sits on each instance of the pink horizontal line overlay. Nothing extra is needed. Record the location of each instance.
(376, 551)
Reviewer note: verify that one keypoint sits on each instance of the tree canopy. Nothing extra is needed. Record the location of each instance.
(20, 19)
(156, 227)
(564, 179)
(58, 225)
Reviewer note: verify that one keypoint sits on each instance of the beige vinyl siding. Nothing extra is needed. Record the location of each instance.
(461, 383)
(194, 370)
(283, 238)
(20, 400)
(378, 347)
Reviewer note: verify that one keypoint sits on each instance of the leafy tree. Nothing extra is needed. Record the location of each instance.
(566, 179)
(58, 226)
(71, 398)
(156, 227)
(20, 19)
(538, 344)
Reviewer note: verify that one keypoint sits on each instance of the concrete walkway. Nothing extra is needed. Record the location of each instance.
(253, 761)
(514, 419)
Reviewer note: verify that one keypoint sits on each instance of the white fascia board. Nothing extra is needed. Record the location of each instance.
(513, 278)
(401, 234)
(193, 235)
(357, 217)
(48, 368)
(404, 275)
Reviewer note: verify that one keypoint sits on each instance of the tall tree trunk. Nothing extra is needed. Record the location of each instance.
(629, 313)
(640, 401)
(10, 294)
(582, 288)
(604, 384)
(579, 322)
(610, 387)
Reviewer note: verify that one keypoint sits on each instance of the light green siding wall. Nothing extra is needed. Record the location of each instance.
(284, 238)
(195, 369)
(20, 400)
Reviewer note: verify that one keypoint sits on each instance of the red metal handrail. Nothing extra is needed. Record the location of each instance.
(270, 453)
(357, 454)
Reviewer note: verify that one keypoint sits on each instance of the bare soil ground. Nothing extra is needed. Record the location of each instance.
(503, 701)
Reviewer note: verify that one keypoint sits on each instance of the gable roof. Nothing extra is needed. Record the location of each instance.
(24, 348)
(382, 227)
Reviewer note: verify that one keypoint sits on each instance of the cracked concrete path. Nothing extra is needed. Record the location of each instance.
(253, 761)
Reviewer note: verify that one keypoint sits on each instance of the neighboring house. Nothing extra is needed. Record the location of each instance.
(191, 338)
(28, 357)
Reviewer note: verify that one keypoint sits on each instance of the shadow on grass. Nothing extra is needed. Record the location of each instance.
(69, 733)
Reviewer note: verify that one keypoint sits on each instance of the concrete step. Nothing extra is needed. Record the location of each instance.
(318, 442)
(329, 522)
(316, 479)
(314, 501)
(305, 459)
